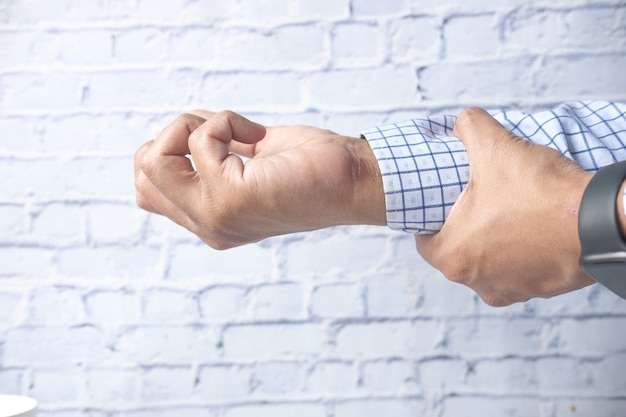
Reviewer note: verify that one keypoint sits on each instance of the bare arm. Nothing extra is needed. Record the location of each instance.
(298, 178)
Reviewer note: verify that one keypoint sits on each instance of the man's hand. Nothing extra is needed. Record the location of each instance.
(513, 233)
(298, 178)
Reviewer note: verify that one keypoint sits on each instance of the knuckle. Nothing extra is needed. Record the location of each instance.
(142, 202)
(494, 300)
(468, 116)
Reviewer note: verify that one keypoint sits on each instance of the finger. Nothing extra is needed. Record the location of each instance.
(173, 139)
(141, 181)
(211, 143)
(240, 148)
(205, 114)
(165, 165)
(151, 199)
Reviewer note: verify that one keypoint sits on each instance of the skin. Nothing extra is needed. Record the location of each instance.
(298, 178)
(513, 233)
(511, 236)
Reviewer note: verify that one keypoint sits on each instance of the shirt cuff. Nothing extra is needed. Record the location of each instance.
(424, 169)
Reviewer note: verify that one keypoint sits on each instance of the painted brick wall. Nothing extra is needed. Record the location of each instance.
(106, 311)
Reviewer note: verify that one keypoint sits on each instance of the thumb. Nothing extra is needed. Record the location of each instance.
(481, 134)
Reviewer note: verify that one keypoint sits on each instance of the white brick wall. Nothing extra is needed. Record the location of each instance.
(106, 311)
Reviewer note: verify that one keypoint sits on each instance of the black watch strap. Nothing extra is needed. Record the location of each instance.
(603, 254)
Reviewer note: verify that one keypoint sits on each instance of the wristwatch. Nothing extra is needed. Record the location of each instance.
(603, 254)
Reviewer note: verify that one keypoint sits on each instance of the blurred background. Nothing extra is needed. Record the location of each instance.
(107, 311)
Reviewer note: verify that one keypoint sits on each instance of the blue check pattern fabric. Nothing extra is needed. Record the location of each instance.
(424, 166)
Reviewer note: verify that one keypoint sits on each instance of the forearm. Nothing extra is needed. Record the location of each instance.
(424, 167)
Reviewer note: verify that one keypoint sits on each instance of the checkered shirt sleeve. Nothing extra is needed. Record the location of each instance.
(425, 168)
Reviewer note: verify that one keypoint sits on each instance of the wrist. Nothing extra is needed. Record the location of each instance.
(368, 202)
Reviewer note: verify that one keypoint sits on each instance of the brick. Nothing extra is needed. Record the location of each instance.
(126, 226)
(371, 408)
(158, 228)
(253, 91)
(11, 381)
(12, 308)
(356, 45)
(27, 48)
(596, 28)
(278, 301)
(504, 79)
(198, 260)
(378, 88)
(581, 76)
(108, 262)
(321, 9)
(54, 306)
(57, 385)
(362, 8)
(25, 262)
(507, 337)
(336, 254)
(484, 41)
(389, 377)
(392, 295)
(195, 45)
(177, 345)
(477, 406)
(241, 48)
(534, 30)
(224, 303)
(440, 297)
(111, 385)
(414, 39)
(574, 336)
(64, 222)
(26, 91)
(272, 341)
(84, 47)
(276, 410)
(162, 383)
(607, 375)
(558, 376)
(510, 376)
(113, 133)
(589, 407)
(291, 47)
(63, 11)
(337, 300)
(25, 128)
(224, 383)
(387, 339)
(277, 379)
(260, 12)
(112, 307)
(62, 346)
(443, 374)
(101, 177)
(169, 411)
(139, 46)
(163, 306)
(332, 378)
(105, 89)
